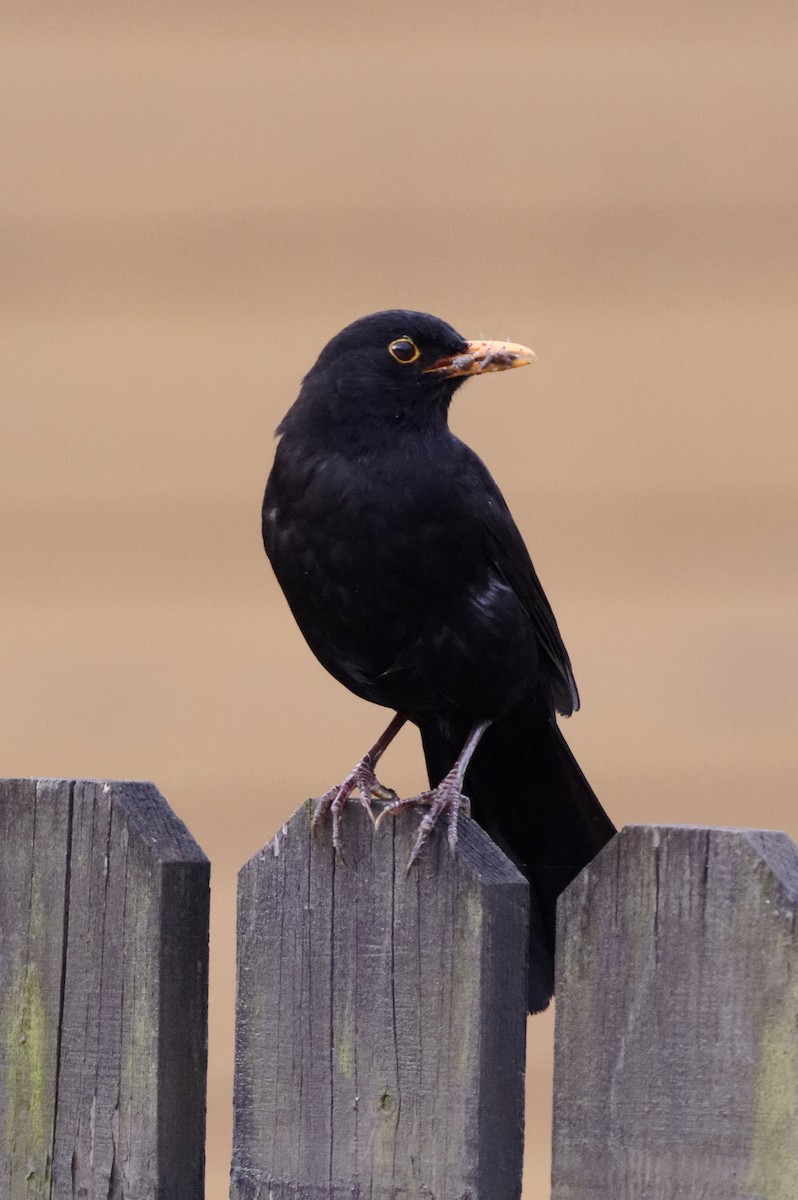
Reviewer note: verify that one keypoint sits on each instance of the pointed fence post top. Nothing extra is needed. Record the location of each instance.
(477, 855)
(149, 818)
(769, 850)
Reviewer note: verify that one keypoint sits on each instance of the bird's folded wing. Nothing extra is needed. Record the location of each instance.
(510, 557)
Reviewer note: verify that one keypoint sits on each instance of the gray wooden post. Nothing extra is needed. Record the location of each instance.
(676, 1063)
(103, 994)
(381, 1017)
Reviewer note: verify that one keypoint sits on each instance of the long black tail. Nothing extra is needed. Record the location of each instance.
(528, 792)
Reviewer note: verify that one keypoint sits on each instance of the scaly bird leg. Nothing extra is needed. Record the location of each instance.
(362, 778)
(447, 795)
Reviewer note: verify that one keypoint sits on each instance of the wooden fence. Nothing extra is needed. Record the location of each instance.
(381, 1022)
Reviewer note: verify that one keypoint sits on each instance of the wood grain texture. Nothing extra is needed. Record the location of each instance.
(103, 994)
(676, 1060)
(381, 1017)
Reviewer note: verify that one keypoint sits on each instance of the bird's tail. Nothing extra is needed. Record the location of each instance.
(527, 791)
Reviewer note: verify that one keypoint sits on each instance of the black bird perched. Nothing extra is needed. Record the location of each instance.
(412, 585)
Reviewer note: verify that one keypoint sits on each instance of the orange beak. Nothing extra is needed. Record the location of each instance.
(480, 357)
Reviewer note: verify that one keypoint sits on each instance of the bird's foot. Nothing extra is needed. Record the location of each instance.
(362, 779)
(446, 796)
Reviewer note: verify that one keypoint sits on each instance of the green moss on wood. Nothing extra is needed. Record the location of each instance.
(27, 1039)
(345, 1053)
(774, 1157)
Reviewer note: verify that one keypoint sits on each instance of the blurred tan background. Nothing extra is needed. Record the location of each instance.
(195, 196)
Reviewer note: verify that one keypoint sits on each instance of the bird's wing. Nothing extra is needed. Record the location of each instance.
(510, 558)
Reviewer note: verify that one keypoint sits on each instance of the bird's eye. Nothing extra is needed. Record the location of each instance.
(404, 350)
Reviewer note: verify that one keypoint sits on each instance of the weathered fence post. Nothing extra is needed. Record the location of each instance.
(381, 1017)
(676, 1062)
(103, 994)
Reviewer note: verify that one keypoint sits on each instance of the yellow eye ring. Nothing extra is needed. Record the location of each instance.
(404, 350)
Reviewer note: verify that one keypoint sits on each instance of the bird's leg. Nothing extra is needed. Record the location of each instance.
(447, 795)
(362, 778)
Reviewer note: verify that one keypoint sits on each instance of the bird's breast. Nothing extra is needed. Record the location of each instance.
(386, 574)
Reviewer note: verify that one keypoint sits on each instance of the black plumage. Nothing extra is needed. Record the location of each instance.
(412, 585)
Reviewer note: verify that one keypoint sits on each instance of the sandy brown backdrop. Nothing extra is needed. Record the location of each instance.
(195, 196)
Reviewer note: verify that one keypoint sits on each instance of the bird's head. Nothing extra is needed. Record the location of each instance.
(396, 367)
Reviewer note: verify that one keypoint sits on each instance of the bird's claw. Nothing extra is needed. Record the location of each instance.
(362, 779)
(446, 796)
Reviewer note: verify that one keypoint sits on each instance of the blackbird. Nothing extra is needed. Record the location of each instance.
(412, 585)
